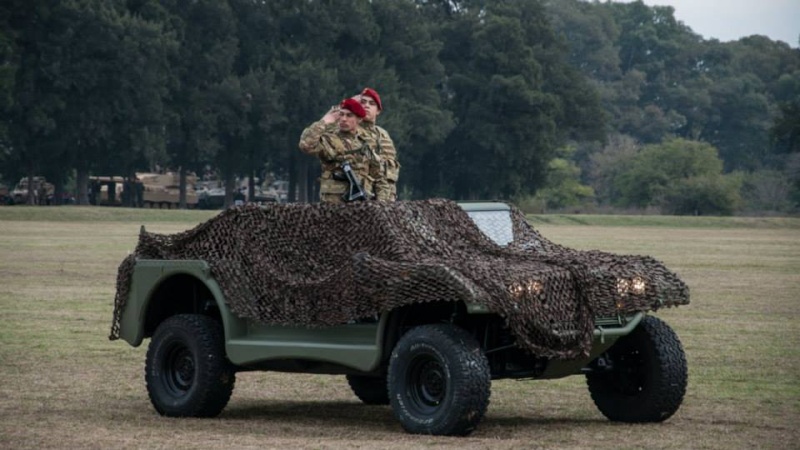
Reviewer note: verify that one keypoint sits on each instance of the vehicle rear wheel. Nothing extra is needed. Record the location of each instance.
(186, 371)
(643, 377)
(370, 390)
(439, 381)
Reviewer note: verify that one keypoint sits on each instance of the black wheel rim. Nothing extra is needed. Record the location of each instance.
(427, 383)
(630, 376)
(179, 370)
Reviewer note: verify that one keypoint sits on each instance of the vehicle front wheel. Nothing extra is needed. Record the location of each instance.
(439, 381)
(187, 372)
(370, 390)
(643, 377)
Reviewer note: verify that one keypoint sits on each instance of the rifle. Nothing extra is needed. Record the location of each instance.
(354, 191)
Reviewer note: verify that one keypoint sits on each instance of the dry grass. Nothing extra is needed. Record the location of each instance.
(66, 386)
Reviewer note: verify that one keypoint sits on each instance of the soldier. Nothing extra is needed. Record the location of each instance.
(333, 147)
(380, 142)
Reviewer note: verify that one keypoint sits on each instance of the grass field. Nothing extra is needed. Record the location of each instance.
(65, 385)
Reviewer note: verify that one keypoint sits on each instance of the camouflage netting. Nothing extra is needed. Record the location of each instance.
(322, 265)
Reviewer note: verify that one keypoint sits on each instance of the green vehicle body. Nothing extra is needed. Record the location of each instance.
(160, 289)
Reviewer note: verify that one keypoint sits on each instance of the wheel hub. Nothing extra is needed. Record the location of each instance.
(428, 383)
(180, 370)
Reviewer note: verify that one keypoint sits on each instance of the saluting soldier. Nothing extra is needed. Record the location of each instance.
(335, 146)
(379, 141)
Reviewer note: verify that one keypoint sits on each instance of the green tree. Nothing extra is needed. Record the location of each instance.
(660, 174)
(9, 61)
(768, 190)
(264, 116)
(33, 102)
(606, 165)
(785, 131)
(415, 113)
(88, 90)
(742, 118)
(507, 88)
(563, 187)
(707, 194)
(206, 34)
(591, 33)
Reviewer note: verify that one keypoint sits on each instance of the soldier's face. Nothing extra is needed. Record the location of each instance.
(370, 106)
(348, 121)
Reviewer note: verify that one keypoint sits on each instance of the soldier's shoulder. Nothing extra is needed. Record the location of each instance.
(382, 131)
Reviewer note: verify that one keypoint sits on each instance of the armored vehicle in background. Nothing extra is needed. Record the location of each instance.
(162, 190)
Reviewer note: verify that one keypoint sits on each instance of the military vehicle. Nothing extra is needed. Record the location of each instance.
(162, 190)
(419, 304)
(214, 197)
(42, 191)
(151, 190)
(106, 191)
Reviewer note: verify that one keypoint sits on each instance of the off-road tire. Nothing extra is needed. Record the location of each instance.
(439, 381)
(186, 372)
(370, 390)
(648, 375)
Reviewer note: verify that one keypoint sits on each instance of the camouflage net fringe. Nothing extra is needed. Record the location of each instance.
(322, 264)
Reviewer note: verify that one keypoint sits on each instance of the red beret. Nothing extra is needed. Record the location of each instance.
(353, 106)
(369, 92)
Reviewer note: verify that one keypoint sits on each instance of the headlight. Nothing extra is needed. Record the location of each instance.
(623, 284)
(531, 288)
(635, 286)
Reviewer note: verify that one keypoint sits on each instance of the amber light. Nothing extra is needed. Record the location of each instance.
(637, 286)
(527, 287)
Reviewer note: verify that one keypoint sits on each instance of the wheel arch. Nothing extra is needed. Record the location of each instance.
(181, 293)
(162, 289)
(402, 319)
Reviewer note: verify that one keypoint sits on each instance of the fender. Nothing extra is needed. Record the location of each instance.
(150, 277)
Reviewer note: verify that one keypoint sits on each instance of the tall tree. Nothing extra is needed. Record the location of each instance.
(87, 95)
(507, 87)
(410, 82)
(34, 100)
(207, 44)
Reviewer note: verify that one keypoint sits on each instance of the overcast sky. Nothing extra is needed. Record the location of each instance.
(729, 20)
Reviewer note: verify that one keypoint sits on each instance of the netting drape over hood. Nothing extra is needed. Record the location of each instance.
(321, 265)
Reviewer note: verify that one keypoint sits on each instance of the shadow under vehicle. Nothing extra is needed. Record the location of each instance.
(432, 361)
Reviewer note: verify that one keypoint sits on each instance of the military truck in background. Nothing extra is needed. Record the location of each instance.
(162, 190)
(42, 190)
(152, 190)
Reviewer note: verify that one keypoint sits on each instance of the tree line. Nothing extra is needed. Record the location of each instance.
(552, 104)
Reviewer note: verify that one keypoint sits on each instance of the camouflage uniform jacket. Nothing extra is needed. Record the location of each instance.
(334, 147)
(380, 143)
